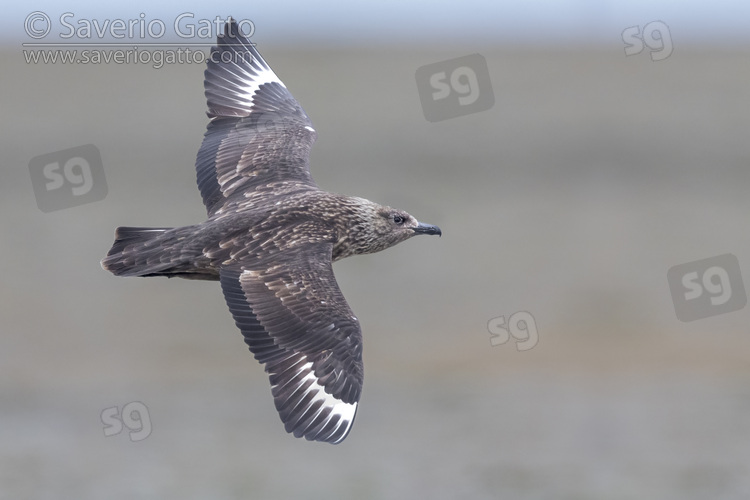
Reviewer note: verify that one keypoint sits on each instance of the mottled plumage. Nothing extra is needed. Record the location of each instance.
(270, 239)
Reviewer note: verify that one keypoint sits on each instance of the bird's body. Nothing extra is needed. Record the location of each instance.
(257, 231)
(270, 239)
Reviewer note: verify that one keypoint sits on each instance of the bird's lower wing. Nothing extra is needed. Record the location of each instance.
(296, 321)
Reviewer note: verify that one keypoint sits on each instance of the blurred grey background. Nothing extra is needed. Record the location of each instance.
(591, 176)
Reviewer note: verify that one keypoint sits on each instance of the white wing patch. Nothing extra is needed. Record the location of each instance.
(242, 92)
(344, 411)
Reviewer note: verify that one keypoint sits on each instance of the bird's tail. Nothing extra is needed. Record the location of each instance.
(149, 251)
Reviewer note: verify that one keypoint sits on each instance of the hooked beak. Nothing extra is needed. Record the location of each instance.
(427, 229)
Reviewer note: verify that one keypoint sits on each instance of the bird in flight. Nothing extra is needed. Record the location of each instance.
(270, 239)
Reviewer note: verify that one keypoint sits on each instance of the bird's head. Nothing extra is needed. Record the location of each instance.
(375, 227)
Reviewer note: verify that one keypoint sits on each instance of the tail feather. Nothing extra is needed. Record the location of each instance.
(137, 251)
(158, 251)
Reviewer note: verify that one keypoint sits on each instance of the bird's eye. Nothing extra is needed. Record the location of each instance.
(398, 219)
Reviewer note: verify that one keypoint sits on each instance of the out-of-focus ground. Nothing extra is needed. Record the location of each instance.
(591, 176)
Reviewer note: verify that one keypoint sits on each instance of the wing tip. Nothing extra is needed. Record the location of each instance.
(232, 32)
(308, 410)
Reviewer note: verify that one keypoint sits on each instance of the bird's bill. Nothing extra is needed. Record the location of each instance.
(427, 229)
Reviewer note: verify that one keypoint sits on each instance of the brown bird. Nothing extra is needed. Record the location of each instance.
(270, 239)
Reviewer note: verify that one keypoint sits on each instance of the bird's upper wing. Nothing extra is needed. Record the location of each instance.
(296, 321)
(259, 136)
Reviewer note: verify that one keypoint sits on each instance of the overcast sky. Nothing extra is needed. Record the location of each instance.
(548, 22)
